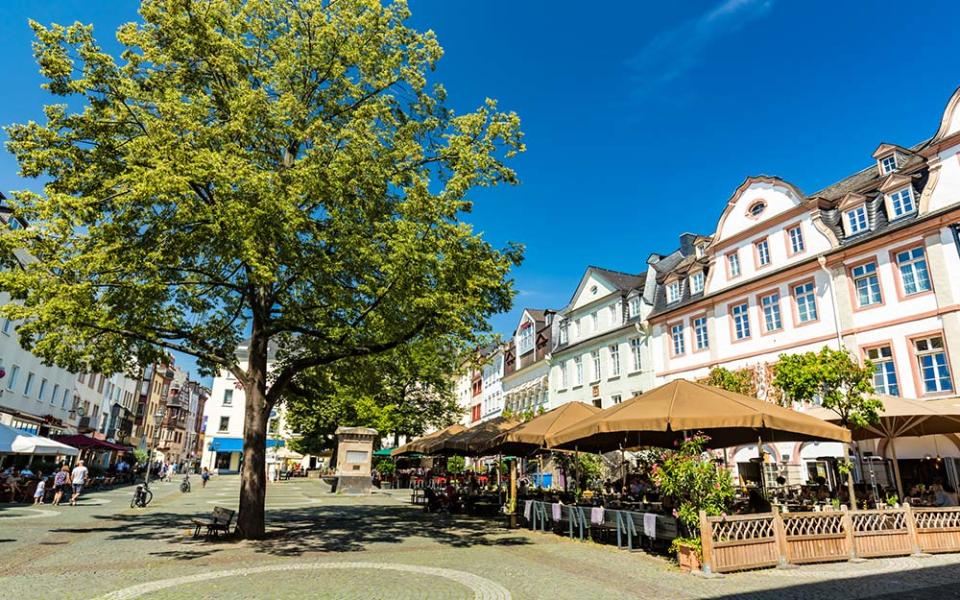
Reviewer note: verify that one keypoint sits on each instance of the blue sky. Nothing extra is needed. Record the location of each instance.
(641, 118)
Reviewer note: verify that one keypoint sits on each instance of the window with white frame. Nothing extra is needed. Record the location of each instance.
(578, 370)
(595, 360)
(594, 322)
(614, 360)
(763, 253)
(889, 164)
(635, 354)
(676, 336)
(884, 371)
(902, 202)
(228, 397)
(932, 362)
(615, 314)
(741, 321)
(700, 335)
(696, 282)
(867, 284)
(633, 306)
(564, 378)
(28, 386)
(856, 220)
(796, 240)
(806, 298)
(733, 264)
(615, 399)
(12, 377)
(43, 390)
(564, 327)
(673, 291)
(526, 337)
(770, 304)
(66, 397)
(913, 271)
(7, 326)
(577, 330)
(224, 424)
(55, 393)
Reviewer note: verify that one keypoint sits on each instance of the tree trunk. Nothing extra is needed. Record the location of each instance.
(850, 488)
(253, 477)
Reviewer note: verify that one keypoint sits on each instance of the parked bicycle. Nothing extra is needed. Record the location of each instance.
(185, 484)
(141, 496)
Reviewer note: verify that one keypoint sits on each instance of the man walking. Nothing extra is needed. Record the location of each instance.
(78, 477)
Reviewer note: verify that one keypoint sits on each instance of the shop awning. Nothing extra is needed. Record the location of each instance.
(235, 444)
(15, 441)
(84, 442)
(383, 452)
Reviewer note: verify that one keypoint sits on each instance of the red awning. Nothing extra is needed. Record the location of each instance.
(83, 442)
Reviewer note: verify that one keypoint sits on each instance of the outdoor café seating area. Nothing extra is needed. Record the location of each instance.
(27, 458)
(608, 481)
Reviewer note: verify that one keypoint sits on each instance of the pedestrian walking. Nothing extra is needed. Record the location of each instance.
(41, 490)
(204, 477)
(77, 478)
(61, 484)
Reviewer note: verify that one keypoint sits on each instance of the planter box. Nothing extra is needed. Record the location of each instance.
(688, 558)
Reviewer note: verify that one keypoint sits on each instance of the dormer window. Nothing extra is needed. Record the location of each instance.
(526, 337)
(673, 292)
(699, 250)
(696, 282)
(856, 220)
(564, 327)
(888, 164)
(901, 202)
(633, 307)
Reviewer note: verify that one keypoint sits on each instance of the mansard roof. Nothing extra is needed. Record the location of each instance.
(620, 281)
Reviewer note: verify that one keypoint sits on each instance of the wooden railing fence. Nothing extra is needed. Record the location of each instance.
(769, 539)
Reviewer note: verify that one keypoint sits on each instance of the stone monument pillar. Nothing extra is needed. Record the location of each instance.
(354, 459)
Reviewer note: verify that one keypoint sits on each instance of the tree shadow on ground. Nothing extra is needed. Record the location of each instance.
(924, 583)
(292, 532)
(185, 554)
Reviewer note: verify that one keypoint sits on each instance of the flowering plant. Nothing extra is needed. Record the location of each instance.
(693, 482)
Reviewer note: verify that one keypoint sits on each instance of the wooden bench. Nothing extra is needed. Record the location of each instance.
(220, 522)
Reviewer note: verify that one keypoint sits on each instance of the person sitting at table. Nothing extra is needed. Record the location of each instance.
(756, 503)
(26, 473)
(944, 495)
(473, 488)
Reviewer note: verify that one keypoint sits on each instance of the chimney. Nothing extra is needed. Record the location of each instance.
(686, 243)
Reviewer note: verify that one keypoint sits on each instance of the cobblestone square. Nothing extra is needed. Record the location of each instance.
(324, 546)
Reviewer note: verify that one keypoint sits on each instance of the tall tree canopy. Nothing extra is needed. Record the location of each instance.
(401, 392)
(265, 173)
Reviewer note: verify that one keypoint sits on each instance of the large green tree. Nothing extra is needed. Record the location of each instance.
(276, 175)
(835, 380)
(400, 393)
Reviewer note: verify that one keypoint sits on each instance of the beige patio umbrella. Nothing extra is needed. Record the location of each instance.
(422, 445)
(903, 417)
(668, 413)
(530, 436)
(476, 439)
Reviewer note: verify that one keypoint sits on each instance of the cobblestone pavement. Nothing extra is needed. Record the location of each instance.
(323, 546)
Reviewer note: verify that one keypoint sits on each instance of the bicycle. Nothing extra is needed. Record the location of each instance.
(141, 496)
(185, 484)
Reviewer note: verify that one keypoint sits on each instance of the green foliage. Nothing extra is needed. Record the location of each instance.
(401, 392)
(256, 171)
(386, 467)
(836, 379)
(693, 482)
(739, 381)
(693, 542)
(141, 455)
(583, 469)
(456, 465)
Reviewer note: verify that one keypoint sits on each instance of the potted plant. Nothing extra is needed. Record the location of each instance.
(693, 482)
